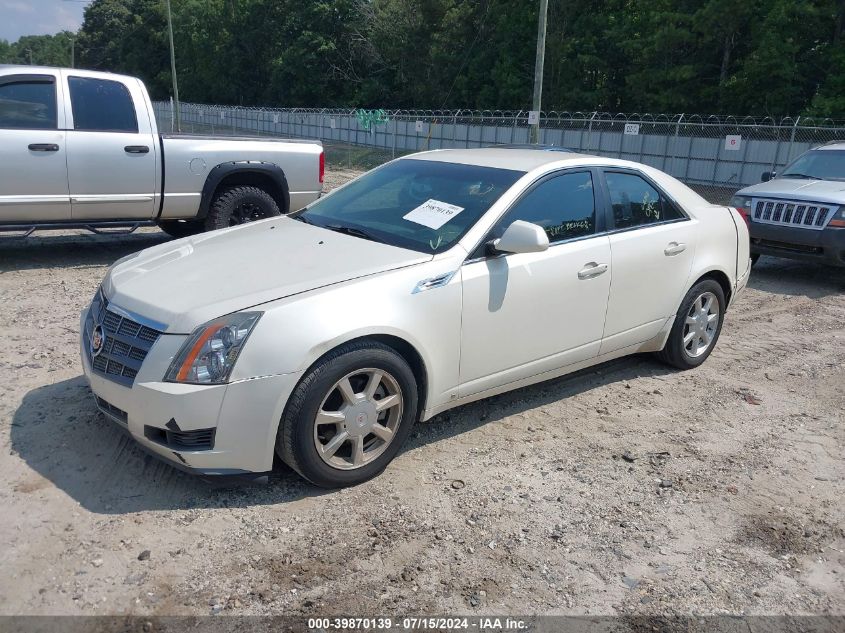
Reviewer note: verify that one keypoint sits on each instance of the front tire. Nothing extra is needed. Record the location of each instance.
(697, 326)
(239, 205)
(348, 417)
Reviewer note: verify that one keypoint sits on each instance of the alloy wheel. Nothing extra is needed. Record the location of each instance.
(701, 324)
(358, 418)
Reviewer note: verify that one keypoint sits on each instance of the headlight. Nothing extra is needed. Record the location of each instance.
(209, 354)
(741, 202)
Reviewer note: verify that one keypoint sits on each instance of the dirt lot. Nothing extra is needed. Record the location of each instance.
(627, 488)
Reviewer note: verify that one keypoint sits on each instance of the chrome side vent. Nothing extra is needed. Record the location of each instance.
(434, 282)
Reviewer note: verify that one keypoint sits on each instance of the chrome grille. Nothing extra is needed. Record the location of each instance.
(805, 215)
(126, 344)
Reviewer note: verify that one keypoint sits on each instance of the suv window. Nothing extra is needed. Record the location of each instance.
(100, 105)
(563, 205)
(636, 202)
(28, 105)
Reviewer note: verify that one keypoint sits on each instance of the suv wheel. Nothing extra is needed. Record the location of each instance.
(697, 326)
(349, 416)
(239, 205)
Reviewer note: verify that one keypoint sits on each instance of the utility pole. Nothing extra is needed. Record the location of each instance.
(29, 52)
(72, 51)
(538, 70)
(173, 68)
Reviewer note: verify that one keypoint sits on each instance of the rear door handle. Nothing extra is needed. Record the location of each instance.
(674, 248)
(592, 270)
(136, 149)
(44, 147)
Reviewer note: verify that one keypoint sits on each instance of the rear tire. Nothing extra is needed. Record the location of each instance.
(697, 326)
(181, 229)
(239, 205)
(348, 417)
(754, 258)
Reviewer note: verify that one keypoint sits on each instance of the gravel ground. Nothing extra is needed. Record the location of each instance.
(628, 488)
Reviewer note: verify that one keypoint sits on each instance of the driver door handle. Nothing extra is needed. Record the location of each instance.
(43, 147)
(674, 248)
(592, 270)
(136, 149)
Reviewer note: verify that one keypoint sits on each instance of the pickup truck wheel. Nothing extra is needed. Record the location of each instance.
(697, 326)
(239, 205)
(349, 416)
(181, 229)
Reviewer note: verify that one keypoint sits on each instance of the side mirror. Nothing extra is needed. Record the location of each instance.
(768, 175)
(522, 237)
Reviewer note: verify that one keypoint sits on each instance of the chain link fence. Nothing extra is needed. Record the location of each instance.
(714, 155)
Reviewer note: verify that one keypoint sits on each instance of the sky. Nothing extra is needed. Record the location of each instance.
(39, 17)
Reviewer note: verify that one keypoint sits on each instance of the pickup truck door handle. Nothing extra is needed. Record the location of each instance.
(136, 149)
(44, 147)
(592, 270)
(674, 248)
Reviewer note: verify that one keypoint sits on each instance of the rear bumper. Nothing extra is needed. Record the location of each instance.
(824, 247)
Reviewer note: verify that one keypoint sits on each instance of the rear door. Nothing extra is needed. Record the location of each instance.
(652, 244)
(111, 150)
(33, 169)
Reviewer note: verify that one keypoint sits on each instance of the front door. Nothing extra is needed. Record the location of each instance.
(524, 314)
(111, 151)
(33, 165)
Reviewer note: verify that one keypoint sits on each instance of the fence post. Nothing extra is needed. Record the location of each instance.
(513, 129)
(675, 149)
(172, 114)
(792, 140)
(590, 133)
(395, 123)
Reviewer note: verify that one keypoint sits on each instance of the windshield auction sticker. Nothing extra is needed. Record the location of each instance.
(433, 213)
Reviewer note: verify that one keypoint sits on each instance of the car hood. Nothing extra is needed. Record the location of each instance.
(827, 191)
(182, 284)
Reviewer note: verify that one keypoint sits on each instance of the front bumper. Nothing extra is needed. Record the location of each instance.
(240, 418)
(824, 247)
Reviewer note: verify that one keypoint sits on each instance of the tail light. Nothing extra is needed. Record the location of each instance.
(322, 166)
(745, 215)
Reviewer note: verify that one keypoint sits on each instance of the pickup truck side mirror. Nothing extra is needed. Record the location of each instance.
(521, 237)
(768, 175)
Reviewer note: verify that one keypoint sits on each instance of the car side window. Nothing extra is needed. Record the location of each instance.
(563, 205)
(100, 105)
(636, 202)
(28, 105)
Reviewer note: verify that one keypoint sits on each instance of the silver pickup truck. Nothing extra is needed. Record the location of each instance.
(80, 149)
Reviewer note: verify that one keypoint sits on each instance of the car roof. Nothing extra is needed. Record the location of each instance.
(840, 145)
(520, 159)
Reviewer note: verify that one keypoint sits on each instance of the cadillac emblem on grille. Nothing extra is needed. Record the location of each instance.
(97, 340)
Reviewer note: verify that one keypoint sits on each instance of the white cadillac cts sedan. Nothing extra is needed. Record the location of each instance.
(432, 281)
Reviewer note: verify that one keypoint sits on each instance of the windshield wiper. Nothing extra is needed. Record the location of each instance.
(348, 230)
(302, 218)
(797, 175)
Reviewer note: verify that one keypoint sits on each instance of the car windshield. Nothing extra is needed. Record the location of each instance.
(826, 164)
(418, 204)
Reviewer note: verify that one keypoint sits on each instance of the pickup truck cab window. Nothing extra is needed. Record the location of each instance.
(636, 202)
(100, 105)
(28, 104)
